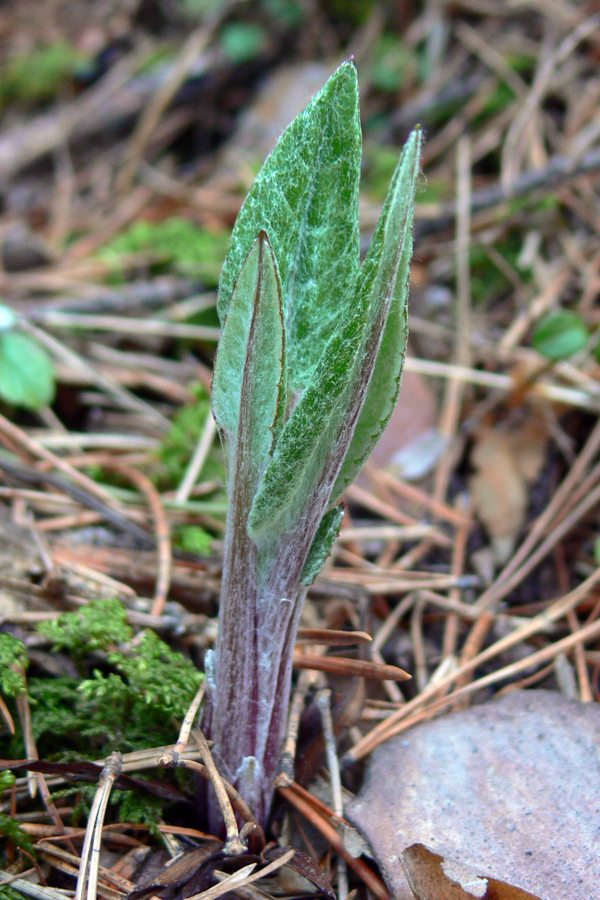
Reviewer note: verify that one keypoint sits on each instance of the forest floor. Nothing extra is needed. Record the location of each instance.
(470, 547)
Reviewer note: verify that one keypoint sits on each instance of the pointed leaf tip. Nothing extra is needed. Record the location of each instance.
(248, 371)
(306, 196)
(384, 278)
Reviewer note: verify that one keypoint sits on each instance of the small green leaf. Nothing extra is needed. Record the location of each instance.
(314, 442)
(243, 41)
(322, 544)
(560, 334)
(306, 198)
(26, 372)
(248, 371)
(386, 273)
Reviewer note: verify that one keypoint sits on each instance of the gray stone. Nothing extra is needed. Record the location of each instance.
(510, 787)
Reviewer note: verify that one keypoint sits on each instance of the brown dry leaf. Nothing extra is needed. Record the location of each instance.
(508, 787)
(434, 877)
(412, 422)
(507, 461)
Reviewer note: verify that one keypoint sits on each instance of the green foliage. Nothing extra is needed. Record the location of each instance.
(498, 100)
(242, 41)
(103, 713)
(139, 809)
(136, 693)
(322, 544)
(132, 699)
(560, 334)
(132, 705)
(349, 371)
(306, 377)
(175, 243)
(394, 64)
(7, 779)
(36, 76)
(248, 380)
(194, 539)
(285, 12)
(200, 8)
(13, 661)
(488, 281)
(9, 828)
(180, 442)
(380, 165)
(9, 893)
(93, 627)
(306, 200)
(31, 385)
(154, 673)
(12, 831)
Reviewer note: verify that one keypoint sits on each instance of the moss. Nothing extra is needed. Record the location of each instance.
(175, 243)
(15, 837)
(133, 693)
(94, 627)
(36, 76)
(13, 662)
(179, 444)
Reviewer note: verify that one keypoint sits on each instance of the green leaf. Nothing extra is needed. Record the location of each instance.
(322, 544)
(314, 442)
(26, 372)
(386, 273)
(13, 661)
(248, 372)
(306, 198)
(560, 334)
(243, 41)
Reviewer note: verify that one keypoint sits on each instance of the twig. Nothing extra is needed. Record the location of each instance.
(332, 638)
(161, 527)
(242, 877)
(324, 703)
(124, 397)
(198, 459)
(172, 757)
(233, 846)
(285, 775)
(558, 170)
(587, 633)
(122, 325)
(191, 50)
(373, 882)
(554, 612)
(90, 854)
(504, 383)
(345, 666)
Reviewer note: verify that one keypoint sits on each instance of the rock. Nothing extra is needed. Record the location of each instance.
(509, 788)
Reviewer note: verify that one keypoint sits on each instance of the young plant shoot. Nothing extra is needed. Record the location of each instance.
(306, 377)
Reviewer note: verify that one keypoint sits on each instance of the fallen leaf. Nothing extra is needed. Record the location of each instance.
(435, 877)
(507, 461)
(410, 445)
(509, 787)
(304, 866)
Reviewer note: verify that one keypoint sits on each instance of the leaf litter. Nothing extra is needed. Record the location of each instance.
(515, 472)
